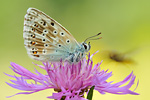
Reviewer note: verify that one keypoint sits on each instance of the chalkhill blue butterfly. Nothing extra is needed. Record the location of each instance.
(46, 40)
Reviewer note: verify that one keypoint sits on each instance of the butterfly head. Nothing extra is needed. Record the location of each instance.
(86, 46)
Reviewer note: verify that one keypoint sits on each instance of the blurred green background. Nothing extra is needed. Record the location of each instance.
(125, 27)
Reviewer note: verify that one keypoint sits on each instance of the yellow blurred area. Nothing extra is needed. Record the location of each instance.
(125, 27)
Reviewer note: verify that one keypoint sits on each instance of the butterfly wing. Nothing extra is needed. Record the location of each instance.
(45, 39)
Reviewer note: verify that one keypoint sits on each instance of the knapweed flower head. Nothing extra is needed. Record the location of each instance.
(69, 81)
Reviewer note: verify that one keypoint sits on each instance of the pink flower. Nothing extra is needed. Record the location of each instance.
(70, 81)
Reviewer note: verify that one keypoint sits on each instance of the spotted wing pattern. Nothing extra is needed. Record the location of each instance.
(45, 39)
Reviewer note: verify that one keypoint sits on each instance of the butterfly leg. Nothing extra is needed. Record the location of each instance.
(77, 57)
(74, 57)
(70, 58)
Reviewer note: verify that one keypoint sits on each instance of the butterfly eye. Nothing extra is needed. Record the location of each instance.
(85, 46)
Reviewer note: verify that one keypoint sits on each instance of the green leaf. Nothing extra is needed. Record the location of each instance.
(90, 94)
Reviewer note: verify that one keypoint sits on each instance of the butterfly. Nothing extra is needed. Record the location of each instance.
(47, 40)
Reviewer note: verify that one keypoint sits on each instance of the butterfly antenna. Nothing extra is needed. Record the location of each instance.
(91, 38)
